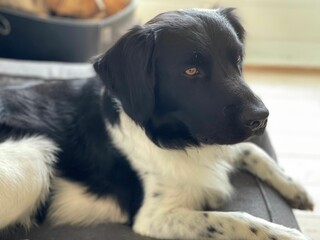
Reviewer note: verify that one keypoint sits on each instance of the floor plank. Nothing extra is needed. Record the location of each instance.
(309, 223)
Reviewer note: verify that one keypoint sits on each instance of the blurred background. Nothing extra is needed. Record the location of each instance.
(282, 61)
(279, 32)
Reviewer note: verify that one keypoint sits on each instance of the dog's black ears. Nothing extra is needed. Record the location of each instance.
(127, 71)
(233, 19)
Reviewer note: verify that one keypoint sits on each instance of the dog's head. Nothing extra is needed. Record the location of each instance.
(180, 78)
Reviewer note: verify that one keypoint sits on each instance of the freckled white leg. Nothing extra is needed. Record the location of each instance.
(189, 224)
(25, 171)
(253, 159)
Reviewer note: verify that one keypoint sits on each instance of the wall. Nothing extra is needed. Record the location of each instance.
(279, 32)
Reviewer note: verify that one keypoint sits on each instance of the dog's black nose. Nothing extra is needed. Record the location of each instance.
(255, 118)
(257, 124)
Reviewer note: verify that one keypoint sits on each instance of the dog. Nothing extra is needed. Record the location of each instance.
(149, 142)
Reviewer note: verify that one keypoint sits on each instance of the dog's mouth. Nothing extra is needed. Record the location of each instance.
(171, 132)
(222, 140)
(232, 138)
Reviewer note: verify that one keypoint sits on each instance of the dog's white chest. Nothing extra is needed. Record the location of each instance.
(185, 178)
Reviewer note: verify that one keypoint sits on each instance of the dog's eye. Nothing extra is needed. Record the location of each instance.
(236, 57)
(239, 58)
(192, 71)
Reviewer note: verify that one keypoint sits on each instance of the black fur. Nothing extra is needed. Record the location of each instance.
(127, 71)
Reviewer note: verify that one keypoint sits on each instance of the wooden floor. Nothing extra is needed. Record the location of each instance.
(293, 99)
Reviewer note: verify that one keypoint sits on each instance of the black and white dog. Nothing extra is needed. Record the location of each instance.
(151, 145)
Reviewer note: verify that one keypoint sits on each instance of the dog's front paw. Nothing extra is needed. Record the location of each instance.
(302, 201)
(299, 198)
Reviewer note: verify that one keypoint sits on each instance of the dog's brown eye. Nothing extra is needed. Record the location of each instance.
(239, 58)
(191, 71)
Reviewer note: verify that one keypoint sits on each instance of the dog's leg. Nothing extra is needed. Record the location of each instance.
(73, 204)
(253, 159)
(189, 224)
(25, 171)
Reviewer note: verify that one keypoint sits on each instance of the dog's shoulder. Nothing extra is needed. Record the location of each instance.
(48, 107)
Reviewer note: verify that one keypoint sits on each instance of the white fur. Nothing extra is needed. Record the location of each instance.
(72, 204)
(178, 183)
(26, 166)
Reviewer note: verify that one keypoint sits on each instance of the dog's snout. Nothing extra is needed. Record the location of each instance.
(255, 118)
